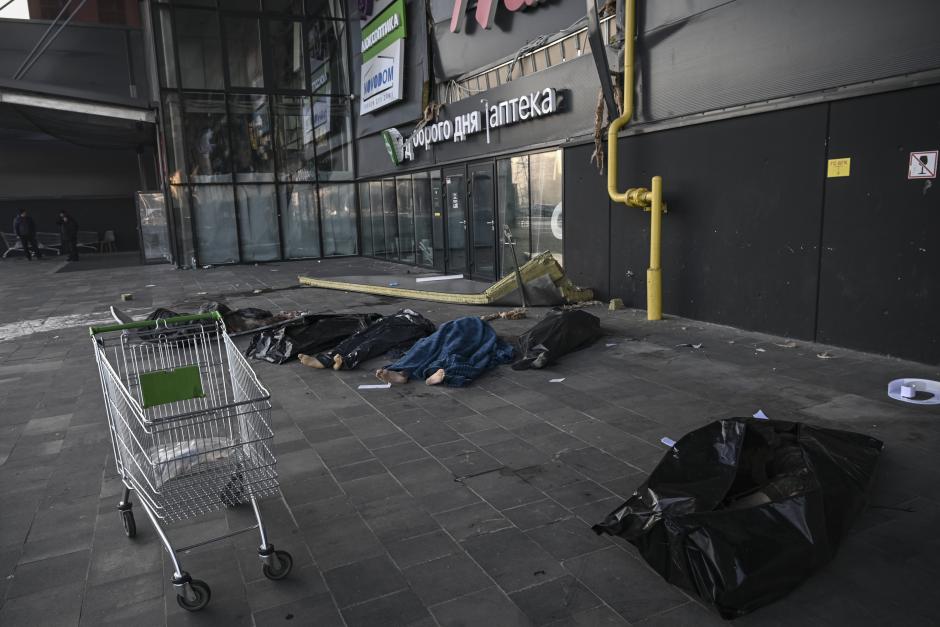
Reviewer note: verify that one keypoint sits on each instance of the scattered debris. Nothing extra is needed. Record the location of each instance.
(446, 277)
(394, 284)
(374, 386)
(611, 344)
(761, 415)
(256, 291)
(127, 296)
(730, 341)
(788, 344)
(695, 346)
(556, 380)
(668, 441)
(760, 350)
(201, 293)
(825, 355)
(513, 314)
(615, 304)
(582, 305)
(151, 285)
(916, 391)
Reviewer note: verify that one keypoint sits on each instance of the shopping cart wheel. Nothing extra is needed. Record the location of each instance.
(284, 564)
(201, 596)
(130, 527)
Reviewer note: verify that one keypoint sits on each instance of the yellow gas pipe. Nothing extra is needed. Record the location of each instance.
(648, 200)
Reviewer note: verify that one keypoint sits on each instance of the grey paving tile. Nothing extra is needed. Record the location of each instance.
(316, 609)
(397, 517)
(601, 616)
(302, 582)
(503, 489)
(555, 600)
(423, 477)
(399, 453)
(536, 514)
(341, 541)
(361, 581)
(373, 488)
(446, 578)
(448, 499)
(596, 464)
(579, 493)
(626, 585)
(48, 573)
(420, 549)
(472, 520)
(567, 538)
(400, 609)
(512, 560)
(53, 606)
(358, 470)
(487, 607)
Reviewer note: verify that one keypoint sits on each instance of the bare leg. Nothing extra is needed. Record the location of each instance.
(310, 360)
(391, 376)
(337, 362)
(437, 377)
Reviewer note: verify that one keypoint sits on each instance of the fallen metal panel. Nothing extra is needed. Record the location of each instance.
(543, 277)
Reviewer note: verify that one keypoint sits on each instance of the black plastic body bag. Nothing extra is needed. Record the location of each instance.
(392, 333)
(557, 334)
(741, 511)
(310, 334)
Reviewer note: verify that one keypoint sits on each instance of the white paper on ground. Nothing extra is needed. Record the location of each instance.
(668, 441)
(760, 414)
(556, 380)
(449, 277)
(376, 386)
(609, 345)
(920, 385)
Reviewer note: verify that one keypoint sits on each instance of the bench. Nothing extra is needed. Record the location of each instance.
(45, 241)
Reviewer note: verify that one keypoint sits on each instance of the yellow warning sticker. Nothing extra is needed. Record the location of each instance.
(839, 167)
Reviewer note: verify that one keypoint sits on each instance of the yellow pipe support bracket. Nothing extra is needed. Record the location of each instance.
(654, 274)
(650, 200)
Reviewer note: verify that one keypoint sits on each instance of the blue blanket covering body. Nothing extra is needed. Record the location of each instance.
(465, 348)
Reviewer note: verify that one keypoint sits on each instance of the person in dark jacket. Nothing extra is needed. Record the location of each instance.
(68, 231)
(25, 229)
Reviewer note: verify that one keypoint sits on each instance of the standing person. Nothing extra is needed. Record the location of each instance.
(25, 229)
(68, 231)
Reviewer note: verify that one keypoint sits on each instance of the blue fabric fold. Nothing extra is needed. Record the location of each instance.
(465, 348)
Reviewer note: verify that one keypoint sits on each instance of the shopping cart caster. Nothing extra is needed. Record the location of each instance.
(191, 594)
(277, 564)
(127, 519)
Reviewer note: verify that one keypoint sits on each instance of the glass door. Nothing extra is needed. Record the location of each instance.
(483, 222)
(455, 207)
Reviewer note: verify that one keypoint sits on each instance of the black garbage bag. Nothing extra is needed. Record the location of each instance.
(557, 334)
(741, 511)
(244, 319)
(308, 334)
(390, 334)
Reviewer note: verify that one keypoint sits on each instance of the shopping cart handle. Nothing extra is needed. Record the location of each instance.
(145, 324)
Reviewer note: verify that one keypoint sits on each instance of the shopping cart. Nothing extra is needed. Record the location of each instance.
(190, 428)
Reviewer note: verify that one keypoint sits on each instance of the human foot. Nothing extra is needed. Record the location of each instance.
(310, 360)
(337, 362)
(390, 376)
(437, 377)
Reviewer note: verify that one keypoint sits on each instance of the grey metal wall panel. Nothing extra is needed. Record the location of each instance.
(92, 58)
(749, 51)
(741, 235)
(880, 273)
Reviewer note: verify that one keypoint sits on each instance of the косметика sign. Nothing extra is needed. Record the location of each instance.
(383, 46)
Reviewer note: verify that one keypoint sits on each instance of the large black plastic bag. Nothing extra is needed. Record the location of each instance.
(397, 332)
(741, 511)
(309, 334)
(557, 334)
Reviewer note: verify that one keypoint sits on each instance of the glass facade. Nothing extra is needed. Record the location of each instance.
(257, 128)
(406, 218)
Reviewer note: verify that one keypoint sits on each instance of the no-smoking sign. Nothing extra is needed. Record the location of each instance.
(923, 165)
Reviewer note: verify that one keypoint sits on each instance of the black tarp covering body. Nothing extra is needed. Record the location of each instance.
(309, 334)
(558, 333)
(741, 511)
(392, 333)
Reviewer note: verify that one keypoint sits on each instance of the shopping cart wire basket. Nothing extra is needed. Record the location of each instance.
(191, 431)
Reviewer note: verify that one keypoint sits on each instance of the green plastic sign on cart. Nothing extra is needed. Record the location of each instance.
(169, 386)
